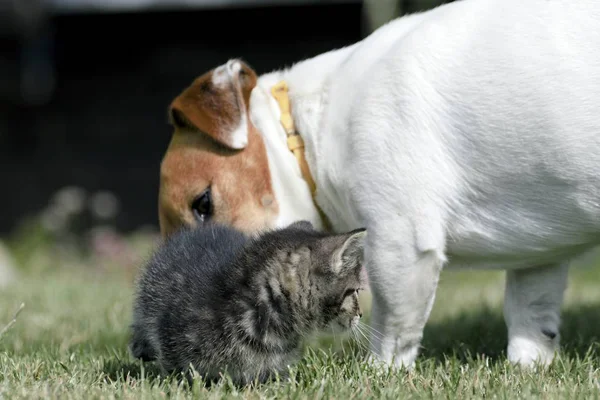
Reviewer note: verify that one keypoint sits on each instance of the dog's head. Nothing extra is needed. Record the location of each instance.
(216, 166)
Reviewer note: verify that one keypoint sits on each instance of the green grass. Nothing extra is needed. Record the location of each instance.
(69, 341)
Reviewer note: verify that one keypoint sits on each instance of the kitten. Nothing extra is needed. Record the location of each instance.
(222, 302)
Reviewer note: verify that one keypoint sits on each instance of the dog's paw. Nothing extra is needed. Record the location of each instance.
(530, 353)
(402, 362)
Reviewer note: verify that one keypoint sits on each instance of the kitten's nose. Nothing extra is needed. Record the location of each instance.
(360, 314)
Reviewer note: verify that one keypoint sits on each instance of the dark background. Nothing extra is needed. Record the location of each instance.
(83, 97)
(104, 125)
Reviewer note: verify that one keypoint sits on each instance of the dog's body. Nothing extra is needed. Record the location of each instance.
(466, 136)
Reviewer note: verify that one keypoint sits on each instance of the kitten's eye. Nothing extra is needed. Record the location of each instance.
(202, 206)
(350, 292)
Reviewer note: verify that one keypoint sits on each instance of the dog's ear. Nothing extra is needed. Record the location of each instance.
(216, 104)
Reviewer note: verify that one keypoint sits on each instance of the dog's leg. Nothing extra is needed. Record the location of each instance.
(404, 269)
(532, 305)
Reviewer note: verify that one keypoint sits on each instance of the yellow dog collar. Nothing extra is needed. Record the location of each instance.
(294, 140)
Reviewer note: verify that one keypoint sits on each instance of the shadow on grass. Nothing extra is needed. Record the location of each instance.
(484, 332)
(465, 337)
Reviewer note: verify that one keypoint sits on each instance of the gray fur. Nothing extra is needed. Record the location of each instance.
(220, 301)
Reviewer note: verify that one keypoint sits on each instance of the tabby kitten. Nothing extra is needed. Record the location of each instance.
(219, 301)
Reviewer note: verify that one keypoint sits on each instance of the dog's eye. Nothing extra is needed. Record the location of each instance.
(202, 206)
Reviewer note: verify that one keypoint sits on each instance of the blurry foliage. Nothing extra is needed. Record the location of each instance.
(76, 230)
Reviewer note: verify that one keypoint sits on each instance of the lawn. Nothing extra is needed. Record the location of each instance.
(69, 341)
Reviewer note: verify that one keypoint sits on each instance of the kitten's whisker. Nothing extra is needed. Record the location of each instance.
(362, 345)
(365, 344)
(358, 339)
(372, 331)
(362, 333)
(371, 328)
(374, 335)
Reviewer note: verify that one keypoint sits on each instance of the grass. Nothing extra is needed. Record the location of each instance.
(69, 341)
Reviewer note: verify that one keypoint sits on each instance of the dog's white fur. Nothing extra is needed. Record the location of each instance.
(464, 136)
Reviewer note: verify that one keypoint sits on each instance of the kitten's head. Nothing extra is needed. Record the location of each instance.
(337, 278)
(322, 275)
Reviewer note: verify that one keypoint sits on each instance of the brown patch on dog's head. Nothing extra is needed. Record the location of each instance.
(216, 167)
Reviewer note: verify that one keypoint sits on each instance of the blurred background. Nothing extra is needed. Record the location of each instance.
(84, 90)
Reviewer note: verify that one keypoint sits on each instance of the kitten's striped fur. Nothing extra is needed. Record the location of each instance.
(220, 301)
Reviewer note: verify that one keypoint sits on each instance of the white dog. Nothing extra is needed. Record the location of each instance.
(464, 136)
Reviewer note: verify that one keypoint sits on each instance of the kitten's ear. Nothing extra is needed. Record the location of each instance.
(302, 225)
(350, 253)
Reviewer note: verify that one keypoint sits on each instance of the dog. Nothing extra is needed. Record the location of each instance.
(463, 136)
